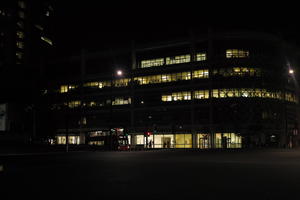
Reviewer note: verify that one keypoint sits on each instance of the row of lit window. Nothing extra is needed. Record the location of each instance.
(116, 101)
(142, 80)
(198, 94)
(237, 71)
(163, 78)
(186, 95)
(97, 84)
(179, 140)
(116, 83)
(185, 140)
(228, 93)
(237, 53)
(245, 92)
(230, 53)
(178, 59)
(171, 60)
(67, 88)
(121, 101)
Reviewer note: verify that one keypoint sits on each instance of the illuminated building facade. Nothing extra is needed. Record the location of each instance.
(221, 90)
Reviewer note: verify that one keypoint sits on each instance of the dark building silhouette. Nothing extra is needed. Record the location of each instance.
(25, 40)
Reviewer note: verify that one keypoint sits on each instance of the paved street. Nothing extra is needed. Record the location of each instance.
(162, 174)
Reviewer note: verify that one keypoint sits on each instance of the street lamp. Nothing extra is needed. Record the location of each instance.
(119, 73)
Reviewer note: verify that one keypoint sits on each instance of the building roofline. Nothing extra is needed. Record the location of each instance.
(175, 43)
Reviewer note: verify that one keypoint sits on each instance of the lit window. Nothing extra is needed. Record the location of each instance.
(20, 44)
(178, 59)
(201, 73)
(181, 76)
(237, 70)
(166, 98)
(201, 94)
(181, 96)
(72, 139)
(215, 93)
(73, 104)
(20, 34)
(183, 141)
(71, 87)
(237, 53)
(244, 93)
(290, 97)
(200, 56)
(63, 89)
(186, 95)
(120, 82)
(121, 101)
(91, 84)
(152, 63)
(47, 40)
(233, 140)
(166, 78)
(19, 55)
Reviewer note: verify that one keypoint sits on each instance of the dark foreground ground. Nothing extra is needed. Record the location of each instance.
(161, 174)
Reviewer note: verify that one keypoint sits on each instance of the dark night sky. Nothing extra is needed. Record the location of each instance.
(98, 26)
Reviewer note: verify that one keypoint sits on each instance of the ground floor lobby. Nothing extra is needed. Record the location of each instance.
(160, 140)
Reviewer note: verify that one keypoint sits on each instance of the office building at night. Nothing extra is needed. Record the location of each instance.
(217, 90)
(26, 37)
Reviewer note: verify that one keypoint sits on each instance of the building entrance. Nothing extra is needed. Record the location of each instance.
(203, 143)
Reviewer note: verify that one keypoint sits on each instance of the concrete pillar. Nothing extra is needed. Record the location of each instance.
(210, 53)
(133, 67)
(82, 79)
(192, 108)
(195, 140)
(133, 139)
(82, 138)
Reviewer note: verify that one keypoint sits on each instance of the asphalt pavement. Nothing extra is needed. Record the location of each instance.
(161, 174)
